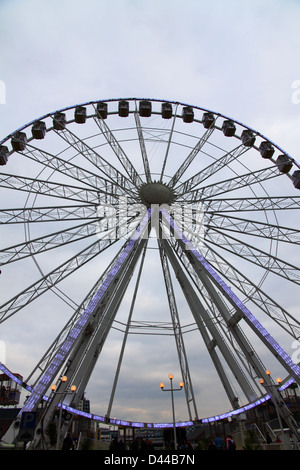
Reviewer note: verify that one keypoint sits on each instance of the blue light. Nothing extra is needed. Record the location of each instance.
(238, 411)
(61, 355)
(229, 293)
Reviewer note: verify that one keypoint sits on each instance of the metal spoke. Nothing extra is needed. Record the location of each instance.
(185, 372)
(260, 204)
(253, 292)
(52, 278)
(142, 147)
(207, 192)
(211, 169)
(207, 316)
(253, 254)
(52, 350)
(119, 152)
(232, 184)
(253, 227)
(48, 242)
(190, 158)
(58, 190)
(93, 310)
(124, 184)
(71, 170)
(47, 214)
(209, 276)
(169, 144)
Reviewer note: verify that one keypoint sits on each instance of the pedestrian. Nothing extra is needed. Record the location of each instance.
(230, 444)
(114, 445)
(68, 443)
(219, 443)
(268, 438)
(211, 446)
(189, 446)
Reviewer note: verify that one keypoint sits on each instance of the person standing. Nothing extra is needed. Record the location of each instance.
(230, 444)
(219, 443)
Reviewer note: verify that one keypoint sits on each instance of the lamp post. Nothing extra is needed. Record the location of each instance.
(273, 387)
(64, 393)
(172, 390)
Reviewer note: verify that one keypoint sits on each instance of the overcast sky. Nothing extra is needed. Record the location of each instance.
(235, 57)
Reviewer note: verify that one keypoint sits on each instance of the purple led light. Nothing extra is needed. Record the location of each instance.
(61, 355)
(184, 424)
(82, 321)
(120, 422)
(11, 376)
(237, 411)
(163, 425)
(98, 418)
(273, 343)
(154, 425)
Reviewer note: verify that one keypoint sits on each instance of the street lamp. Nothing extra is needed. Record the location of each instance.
(172, 389)
(273, 388)
(64, 393)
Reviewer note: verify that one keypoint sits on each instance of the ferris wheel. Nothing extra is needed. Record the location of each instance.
(155, 220)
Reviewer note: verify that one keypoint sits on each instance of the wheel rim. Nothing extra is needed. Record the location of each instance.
(170, 152)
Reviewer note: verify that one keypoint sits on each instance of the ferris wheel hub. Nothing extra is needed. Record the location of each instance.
(156, 193)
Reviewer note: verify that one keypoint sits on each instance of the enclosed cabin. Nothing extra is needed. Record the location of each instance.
(208, 120)
(145, 108)
(187, 114)
(10, 391)
(3, 154)
(38, 130)
(296, 179)
(101, 110)
(19, 141)
(228, 128)
(166, 110)
(80, 114)
(284, 163)
(59, 121)
(266, 149)
(248, 138)
(123, 108)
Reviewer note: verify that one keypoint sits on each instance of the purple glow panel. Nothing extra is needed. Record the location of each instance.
(238, 411)
(239, 304)
(247, 407)
(68, 343)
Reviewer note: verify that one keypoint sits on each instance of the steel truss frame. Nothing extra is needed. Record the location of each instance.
(238, 353)
(203, 275)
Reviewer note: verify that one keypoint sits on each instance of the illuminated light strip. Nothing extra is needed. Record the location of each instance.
(61, 355)
(74, 333)
(179, 424)
(179, 235)
(238, 411)
(103, 419)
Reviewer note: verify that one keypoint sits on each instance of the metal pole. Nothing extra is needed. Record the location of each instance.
(173, 413)
(162, 386)
(125, 335)
(274, 399)
(59, 423)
